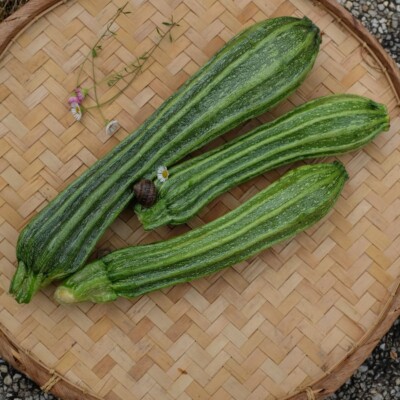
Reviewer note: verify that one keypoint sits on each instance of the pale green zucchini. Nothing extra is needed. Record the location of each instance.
(291, 204)
(253, 72)
(326, 126)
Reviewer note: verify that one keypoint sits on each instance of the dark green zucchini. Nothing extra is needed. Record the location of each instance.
(253, 72)
(322, 127)
(296, 201)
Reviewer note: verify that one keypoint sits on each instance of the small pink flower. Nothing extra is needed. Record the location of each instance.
(73, 100)
(80, 94)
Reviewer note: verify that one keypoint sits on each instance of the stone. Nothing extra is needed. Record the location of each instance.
(17, 377)
(7, 380)
(363, 368)
(4, 369)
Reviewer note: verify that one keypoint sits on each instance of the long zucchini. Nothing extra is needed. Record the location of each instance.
(253, 72)
(325, 126)
(291, 204)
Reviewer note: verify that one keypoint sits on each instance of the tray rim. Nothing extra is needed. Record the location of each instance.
(51, 381)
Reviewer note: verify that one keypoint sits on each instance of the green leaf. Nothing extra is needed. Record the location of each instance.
(167, 23)
(94, 53)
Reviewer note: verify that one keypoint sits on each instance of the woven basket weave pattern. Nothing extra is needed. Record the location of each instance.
(262, 329)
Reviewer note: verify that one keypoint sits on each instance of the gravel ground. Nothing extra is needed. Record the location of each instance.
(379, 377)
(382, 19)
(7, 7)
(16, 386)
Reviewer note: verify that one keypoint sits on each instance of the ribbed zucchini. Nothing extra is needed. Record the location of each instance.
(325, 126)
(255, 70)
(291, 204)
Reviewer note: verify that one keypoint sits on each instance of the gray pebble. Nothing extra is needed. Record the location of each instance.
(7, 380)
(4, 369)
(17, 377)
(363, 369)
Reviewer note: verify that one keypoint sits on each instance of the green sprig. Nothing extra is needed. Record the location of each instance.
(130, 70)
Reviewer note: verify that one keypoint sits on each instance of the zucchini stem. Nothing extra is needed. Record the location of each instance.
(90, 284)
(25, 283)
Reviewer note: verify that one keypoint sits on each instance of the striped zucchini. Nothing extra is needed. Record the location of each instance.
(296, 201)
(325, 126)
(253, 72)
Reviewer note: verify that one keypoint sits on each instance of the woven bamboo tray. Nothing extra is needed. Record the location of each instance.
(292, 323)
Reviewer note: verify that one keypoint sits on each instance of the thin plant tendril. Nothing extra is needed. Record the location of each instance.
(132, 69)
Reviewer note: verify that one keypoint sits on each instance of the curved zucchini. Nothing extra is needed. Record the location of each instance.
(296, 201)
(326, 126)
(253, 72)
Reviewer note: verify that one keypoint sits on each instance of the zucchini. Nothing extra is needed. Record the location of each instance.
(253, 72)
(326, 126)
(291, 204)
